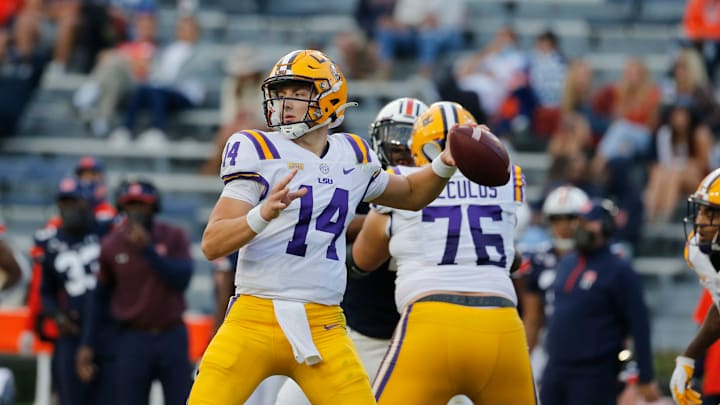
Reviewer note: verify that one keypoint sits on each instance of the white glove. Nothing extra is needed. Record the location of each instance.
(680, 388)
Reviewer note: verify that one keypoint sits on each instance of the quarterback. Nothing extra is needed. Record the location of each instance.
(702, 253)
(459, 331)
(289, 196)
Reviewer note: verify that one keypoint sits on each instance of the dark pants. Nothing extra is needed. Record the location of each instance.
(160, 100)
(144, 356)
(72, 391)
(595, 384)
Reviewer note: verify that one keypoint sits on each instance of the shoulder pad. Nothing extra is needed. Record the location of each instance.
(362, 150)
(242, 155)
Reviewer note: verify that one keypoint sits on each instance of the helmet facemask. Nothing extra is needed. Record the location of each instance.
(275, 105)
(390, 140)
(705, 221)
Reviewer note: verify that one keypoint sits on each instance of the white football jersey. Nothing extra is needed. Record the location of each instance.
(703, 267)
(462, 241)
(300, 256)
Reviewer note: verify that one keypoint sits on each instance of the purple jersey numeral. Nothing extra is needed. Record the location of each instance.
(454, 216)
(484, 240)
(338, 206)
(481, 240)
(230, 153)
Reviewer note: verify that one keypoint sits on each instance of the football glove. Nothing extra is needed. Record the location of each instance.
(682, 392)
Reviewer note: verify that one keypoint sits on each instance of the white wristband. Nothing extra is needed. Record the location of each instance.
(441, 169)
(684, 361)
(255, 221)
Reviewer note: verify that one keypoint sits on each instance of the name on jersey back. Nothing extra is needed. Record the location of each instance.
(459, 189)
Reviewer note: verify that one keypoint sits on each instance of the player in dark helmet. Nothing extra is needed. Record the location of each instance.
(70, 263)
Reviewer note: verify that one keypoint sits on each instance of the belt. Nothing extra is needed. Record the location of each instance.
(154, 329)
(469, 300)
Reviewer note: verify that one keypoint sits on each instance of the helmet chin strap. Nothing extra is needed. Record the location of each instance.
(295, 131)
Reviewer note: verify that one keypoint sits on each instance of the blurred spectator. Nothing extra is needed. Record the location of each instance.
(493, 72)
(81, 29)
(547, 69)
(145, 267)
(682, 149)
(173, 85)
(69, 273)
(355, 49)
(688, 81)
(577, 97)
(573, 137)
(702, 26)
(21, 67)
(633, 105)
(424, 28)
(240, 99)
(116, 74)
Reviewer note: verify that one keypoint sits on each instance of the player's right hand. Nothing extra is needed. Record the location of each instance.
(84, 363)
(280, 197)
(680, 388)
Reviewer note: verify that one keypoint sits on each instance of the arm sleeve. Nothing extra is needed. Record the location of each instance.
(176, 268)
(48, 290)
(635, 312)
(95, 299)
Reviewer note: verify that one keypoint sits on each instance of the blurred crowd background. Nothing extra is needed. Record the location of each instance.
(617, 97)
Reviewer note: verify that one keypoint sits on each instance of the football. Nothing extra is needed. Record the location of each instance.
(480, 155)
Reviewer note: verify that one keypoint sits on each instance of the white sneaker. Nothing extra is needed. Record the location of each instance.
(86, 95)
(99, 127)
(152, 138)
(120, 136)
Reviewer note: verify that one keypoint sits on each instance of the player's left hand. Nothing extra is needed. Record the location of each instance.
(84, 363)
(280, 197)
(680, 388)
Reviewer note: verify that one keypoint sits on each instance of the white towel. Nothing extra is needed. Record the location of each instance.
(294, 323)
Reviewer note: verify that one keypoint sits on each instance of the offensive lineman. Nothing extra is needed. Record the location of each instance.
(459, 331)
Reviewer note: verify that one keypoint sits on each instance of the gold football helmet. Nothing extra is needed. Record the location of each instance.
(703, 213)
(328, 99)
(431, 129)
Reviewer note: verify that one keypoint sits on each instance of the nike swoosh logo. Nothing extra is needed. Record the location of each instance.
(331, 326)
(346, 171)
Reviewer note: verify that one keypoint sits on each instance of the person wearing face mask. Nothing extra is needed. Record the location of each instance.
(598, 305)
(69, 264)
(145, 267)
(561, 209)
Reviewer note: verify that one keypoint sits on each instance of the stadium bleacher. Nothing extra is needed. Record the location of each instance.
(51, 138)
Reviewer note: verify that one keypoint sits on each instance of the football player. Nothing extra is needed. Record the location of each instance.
(70, 263)
(702, 253)
(90, 175)
(459, 331)
(288, 199)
